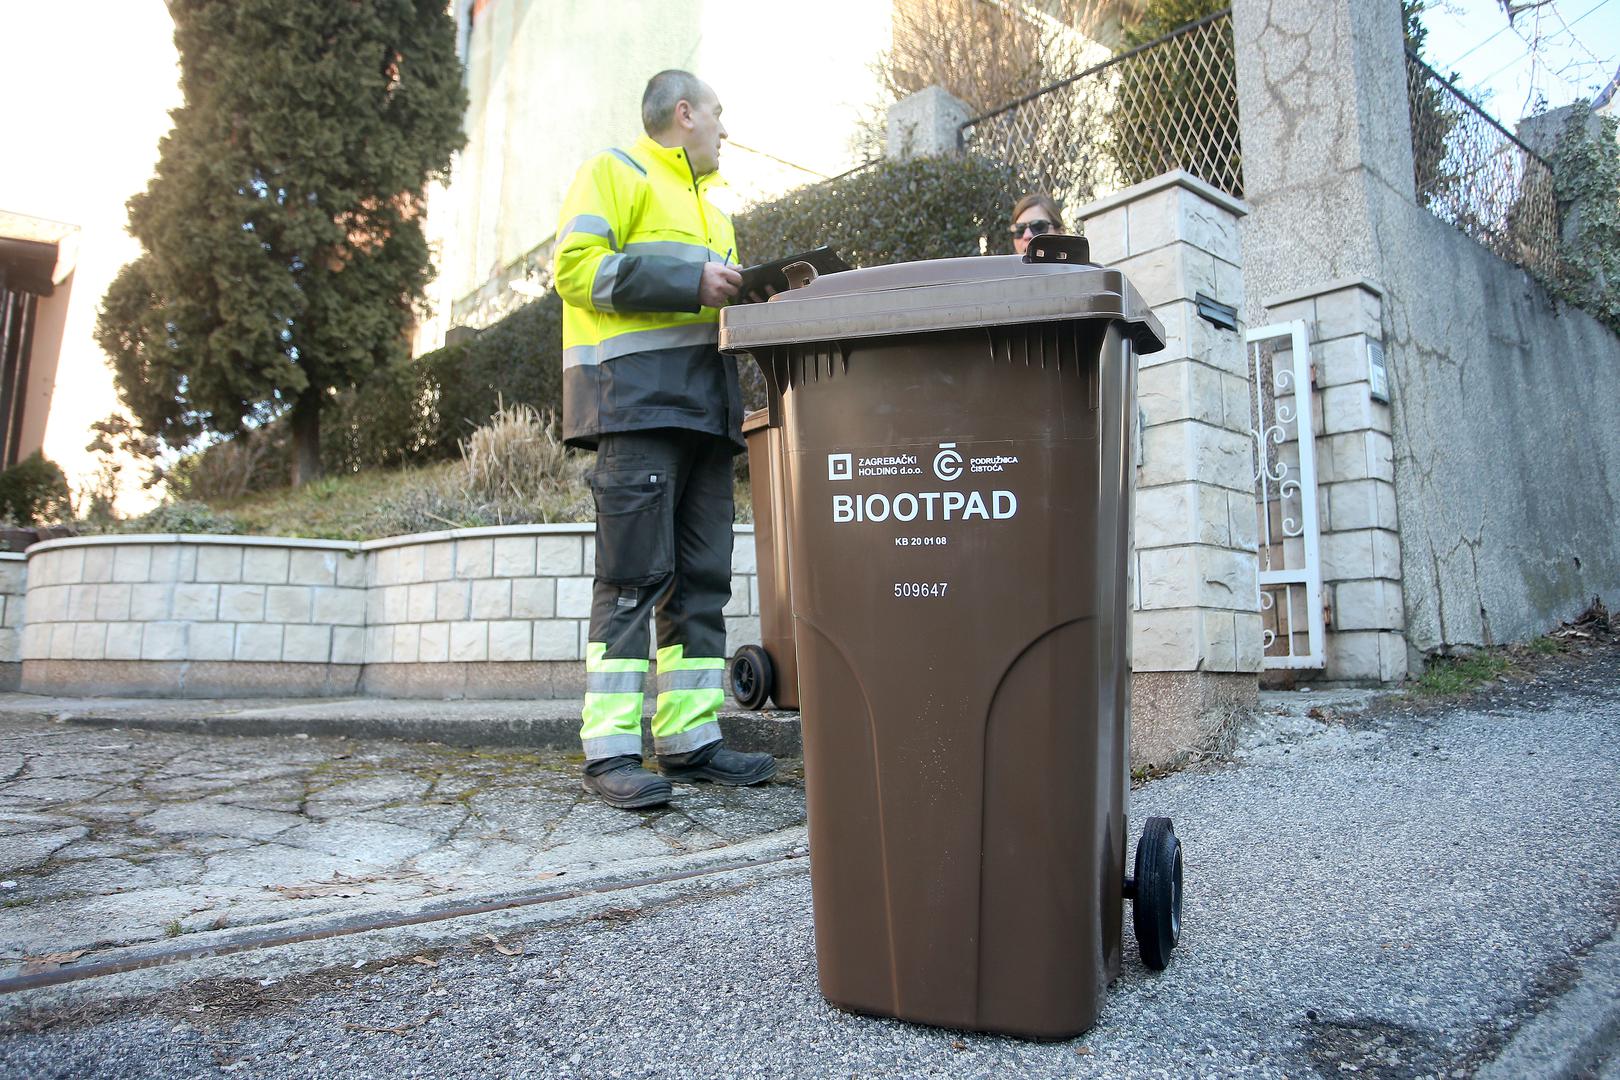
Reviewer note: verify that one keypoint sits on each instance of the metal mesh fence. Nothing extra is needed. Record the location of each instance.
(1472, 173)
(1170, 104)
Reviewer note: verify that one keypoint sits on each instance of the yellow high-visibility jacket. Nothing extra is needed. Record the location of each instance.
(638, 350)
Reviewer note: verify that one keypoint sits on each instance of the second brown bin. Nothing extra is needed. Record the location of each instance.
(771, 668)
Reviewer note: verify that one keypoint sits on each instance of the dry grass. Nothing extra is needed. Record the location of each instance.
(392, 502)
(514, 470)
(518, 458)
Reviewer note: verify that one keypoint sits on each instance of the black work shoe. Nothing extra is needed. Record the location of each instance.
(622, 782)
(714, 762)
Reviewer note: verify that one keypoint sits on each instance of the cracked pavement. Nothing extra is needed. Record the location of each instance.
(114, 838)
(1377, 885)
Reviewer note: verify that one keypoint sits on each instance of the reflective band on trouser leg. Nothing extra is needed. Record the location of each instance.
(611, 723)
(690, 693)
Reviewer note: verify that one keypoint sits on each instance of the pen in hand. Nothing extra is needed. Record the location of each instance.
(727, 262)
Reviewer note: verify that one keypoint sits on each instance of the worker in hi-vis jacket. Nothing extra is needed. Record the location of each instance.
(643, 265)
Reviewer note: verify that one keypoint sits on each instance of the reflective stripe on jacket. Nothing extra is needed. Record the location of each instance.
(638, 351)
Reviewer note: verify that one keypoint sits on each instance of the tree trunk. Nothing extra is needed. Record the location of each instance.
(306, 430)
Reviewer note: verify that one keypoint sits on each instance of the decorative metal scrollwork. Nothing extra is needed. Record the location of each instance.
(1285, 496)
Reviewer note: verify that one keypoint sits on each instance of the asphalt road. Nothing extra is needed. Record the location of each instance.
(1416, 891)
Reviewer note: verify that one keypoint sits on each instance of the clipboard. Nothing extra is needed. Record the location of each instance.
(756, 278)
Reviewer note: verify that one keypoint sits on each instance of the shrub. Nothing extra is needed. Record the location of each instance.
(891, 211)
(230, 468)
(517, 361)
(413, 411)
(182, 516)
(35, 492)
(1181, 115)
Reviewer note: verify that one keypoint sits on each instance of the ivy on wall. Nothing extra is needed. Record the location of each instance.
(1586, 178)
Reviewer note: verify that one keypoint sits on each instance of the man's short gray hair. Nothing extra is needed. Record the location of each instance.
(666, 90)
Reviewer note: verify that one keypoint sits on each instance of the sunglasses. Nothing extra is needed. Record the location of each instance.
(1038, 227)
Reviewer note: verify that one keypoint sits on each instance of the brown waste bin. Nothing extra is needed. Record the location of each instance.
(959, 503)
(769, 669)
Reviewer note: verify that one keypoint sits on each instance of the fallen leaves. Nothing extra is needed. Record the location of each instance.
(315, 890)
(504, 950)
(340, 884)
(33, 965)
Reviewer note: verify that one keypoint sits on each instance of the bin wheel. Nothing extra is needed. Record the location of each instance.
(1156, 909)
(751, 676)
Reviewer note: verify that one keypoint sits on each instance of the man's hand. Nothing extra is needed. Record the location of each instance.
(718, 286)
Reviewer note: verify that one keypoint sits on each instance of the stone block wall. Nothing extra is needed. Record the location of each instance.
(1355, 474)
(496, 612)
(1196, 629)
(194, 614)
(13, 586)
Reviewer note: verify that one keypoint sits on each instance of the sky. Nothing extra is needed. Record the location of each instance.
(90, 84)
(1579, 54)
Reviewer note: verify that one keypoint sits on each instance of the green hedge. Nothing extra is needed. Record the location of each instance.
(925, 208)
(417, 411)
(889, 212)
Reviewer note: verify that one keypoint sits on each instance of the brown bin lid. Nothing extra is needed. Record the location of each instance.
(941, 294)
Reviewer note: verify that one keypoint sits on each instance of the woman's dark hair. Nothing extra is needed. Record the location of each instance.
(1044, 201)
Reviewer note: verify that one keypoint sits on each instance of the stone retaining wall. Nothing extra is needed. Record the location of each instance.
(13, 586)
(497, 612)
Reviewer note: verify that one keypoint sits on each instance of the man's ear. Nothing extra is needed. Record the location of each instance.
(683, 113)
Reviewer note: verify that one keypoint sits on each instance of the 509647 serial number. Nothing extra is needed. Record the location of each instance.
(918, 590)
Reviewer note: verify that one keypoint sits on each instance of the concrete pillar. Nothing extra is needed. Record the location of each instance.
(926, 124)
(1196, 635)
(1323, 116)
(1327, 168)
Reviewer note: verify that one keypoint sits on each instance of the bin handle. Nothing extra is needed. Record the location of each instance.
(1058, 247)
(799, 274)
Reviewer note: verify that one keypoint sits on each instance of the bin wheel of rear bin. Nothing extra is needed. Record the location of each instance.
(1156, 908)
(751, 676)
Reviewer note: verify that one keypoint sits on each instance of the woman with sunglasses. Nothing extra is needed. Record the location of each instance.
(1034, 215)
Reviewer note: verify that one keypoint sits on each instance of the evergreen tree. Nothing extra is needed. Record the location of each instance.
(284, 255)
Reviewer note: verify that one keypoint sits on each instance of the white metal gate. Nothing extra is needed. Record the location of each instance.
(1285, 492)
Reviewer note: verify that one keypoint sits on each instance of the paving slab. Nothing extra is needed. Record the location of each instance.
(201, 833)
